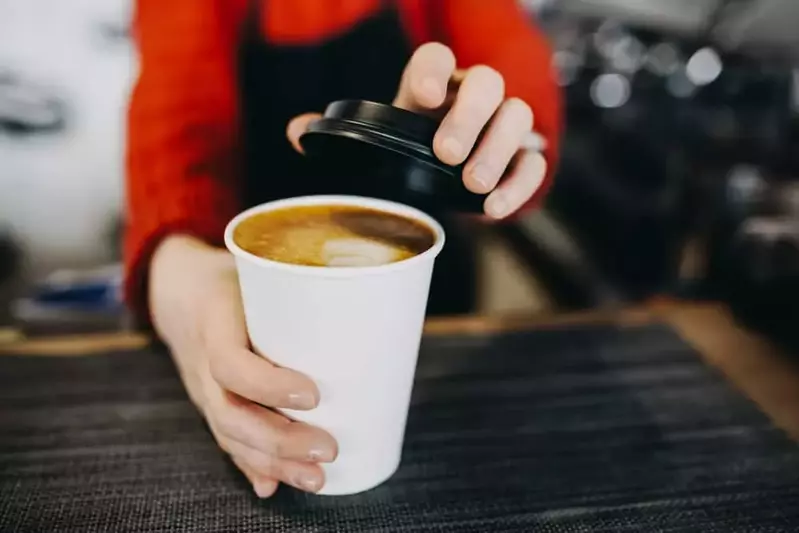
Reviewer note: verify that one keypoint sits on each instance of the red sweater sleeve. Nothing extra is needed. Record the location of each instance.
(182, 129)
(498, 33)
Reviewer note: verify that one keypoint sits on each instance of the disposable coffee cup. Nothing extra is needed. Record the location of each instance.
(355, 331)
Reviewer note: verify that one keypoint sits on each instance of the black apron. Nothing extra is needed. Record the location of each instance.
(278, 83)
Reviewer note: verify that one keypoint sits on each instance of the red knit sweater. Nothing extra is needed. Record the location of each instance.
(183, 145)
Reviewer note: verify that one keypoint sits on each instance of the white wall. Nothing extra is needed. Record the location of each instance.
(60, 192)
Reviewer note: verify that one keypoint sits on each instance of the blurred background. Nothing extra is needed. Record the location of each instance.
(676, 178)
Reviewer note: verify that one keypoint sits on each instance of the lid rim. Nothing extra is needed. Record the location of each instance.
(364, 132)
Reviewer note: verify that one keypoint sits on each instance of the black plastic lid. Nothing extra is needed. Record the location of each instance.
(388, 152)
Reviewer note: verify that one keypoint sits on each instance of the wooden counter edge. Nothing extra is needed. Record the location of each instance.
(752, 364)
(94, 343)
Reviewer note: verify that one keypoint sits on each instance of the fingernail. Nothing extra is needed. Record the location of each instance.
(320, 455)
(302, 400)
(497, 207)
(307, 482)
(431, 89)
(452, 148)
(481, 175)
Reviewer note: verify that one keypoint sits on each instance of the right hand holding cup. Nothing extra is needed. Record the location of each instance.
(196, 308)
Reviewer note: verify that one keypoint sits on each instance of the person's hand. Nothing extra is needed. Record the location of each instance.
(196, 308)
(470, 102)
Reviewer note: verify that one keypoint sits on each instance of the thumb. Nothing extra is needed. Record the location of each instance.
(297, 126)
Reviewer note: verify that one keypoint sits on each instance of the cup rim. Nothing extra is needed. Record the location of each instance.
(345, 200)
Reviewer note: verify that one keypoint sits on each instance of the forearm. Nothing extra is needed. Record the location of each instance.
(176, 264)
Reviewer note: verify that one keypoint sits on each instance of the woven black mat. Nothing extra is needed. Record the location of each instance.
(583, 429)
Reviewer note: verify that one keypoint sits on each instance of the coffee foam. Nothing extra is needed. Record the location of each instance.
(358, 252)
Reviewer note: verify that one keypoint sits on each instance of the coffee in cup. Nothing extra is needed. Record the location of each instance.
(333, 236)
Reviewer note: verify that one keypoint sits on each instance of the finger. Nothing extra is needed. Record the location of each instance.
(253, 377)
(299, 125)
(263, 486)
(509, 127)
(424, 82)
(518, 187)
(304, 476)
(273, 434)
(478, 98)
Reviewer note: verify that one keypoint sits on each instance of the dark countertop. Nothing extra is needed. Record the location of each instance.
(597, 421)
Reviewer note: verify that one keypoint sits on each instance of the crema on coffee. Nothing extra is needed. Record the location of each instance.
(333, 236)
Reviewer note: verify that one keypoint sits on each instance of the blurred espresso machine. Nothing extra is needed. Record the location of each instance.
(680, 165)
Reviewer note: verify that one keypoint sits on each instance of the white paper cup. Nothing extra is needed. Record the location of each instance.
(354, 330)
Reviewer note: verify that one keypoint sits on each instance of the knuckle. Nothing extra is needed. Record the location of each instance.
(532, 173)
(218, 366)
(471, 112)
(487, 73)
(223, 444)
(221, 440)
(433, 49)
(482, 109)
(538, 163)
(225, 419)
(260, 462)
(527, 182)
(225, 426)
(521, 109)
(490, 80)
(282, 443)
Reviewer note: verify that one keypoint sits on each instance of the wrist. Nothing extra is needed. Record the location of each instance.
(181, 266)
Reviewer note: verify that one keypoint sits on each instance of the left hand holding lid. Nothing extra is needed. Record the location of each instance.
(478, 123)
